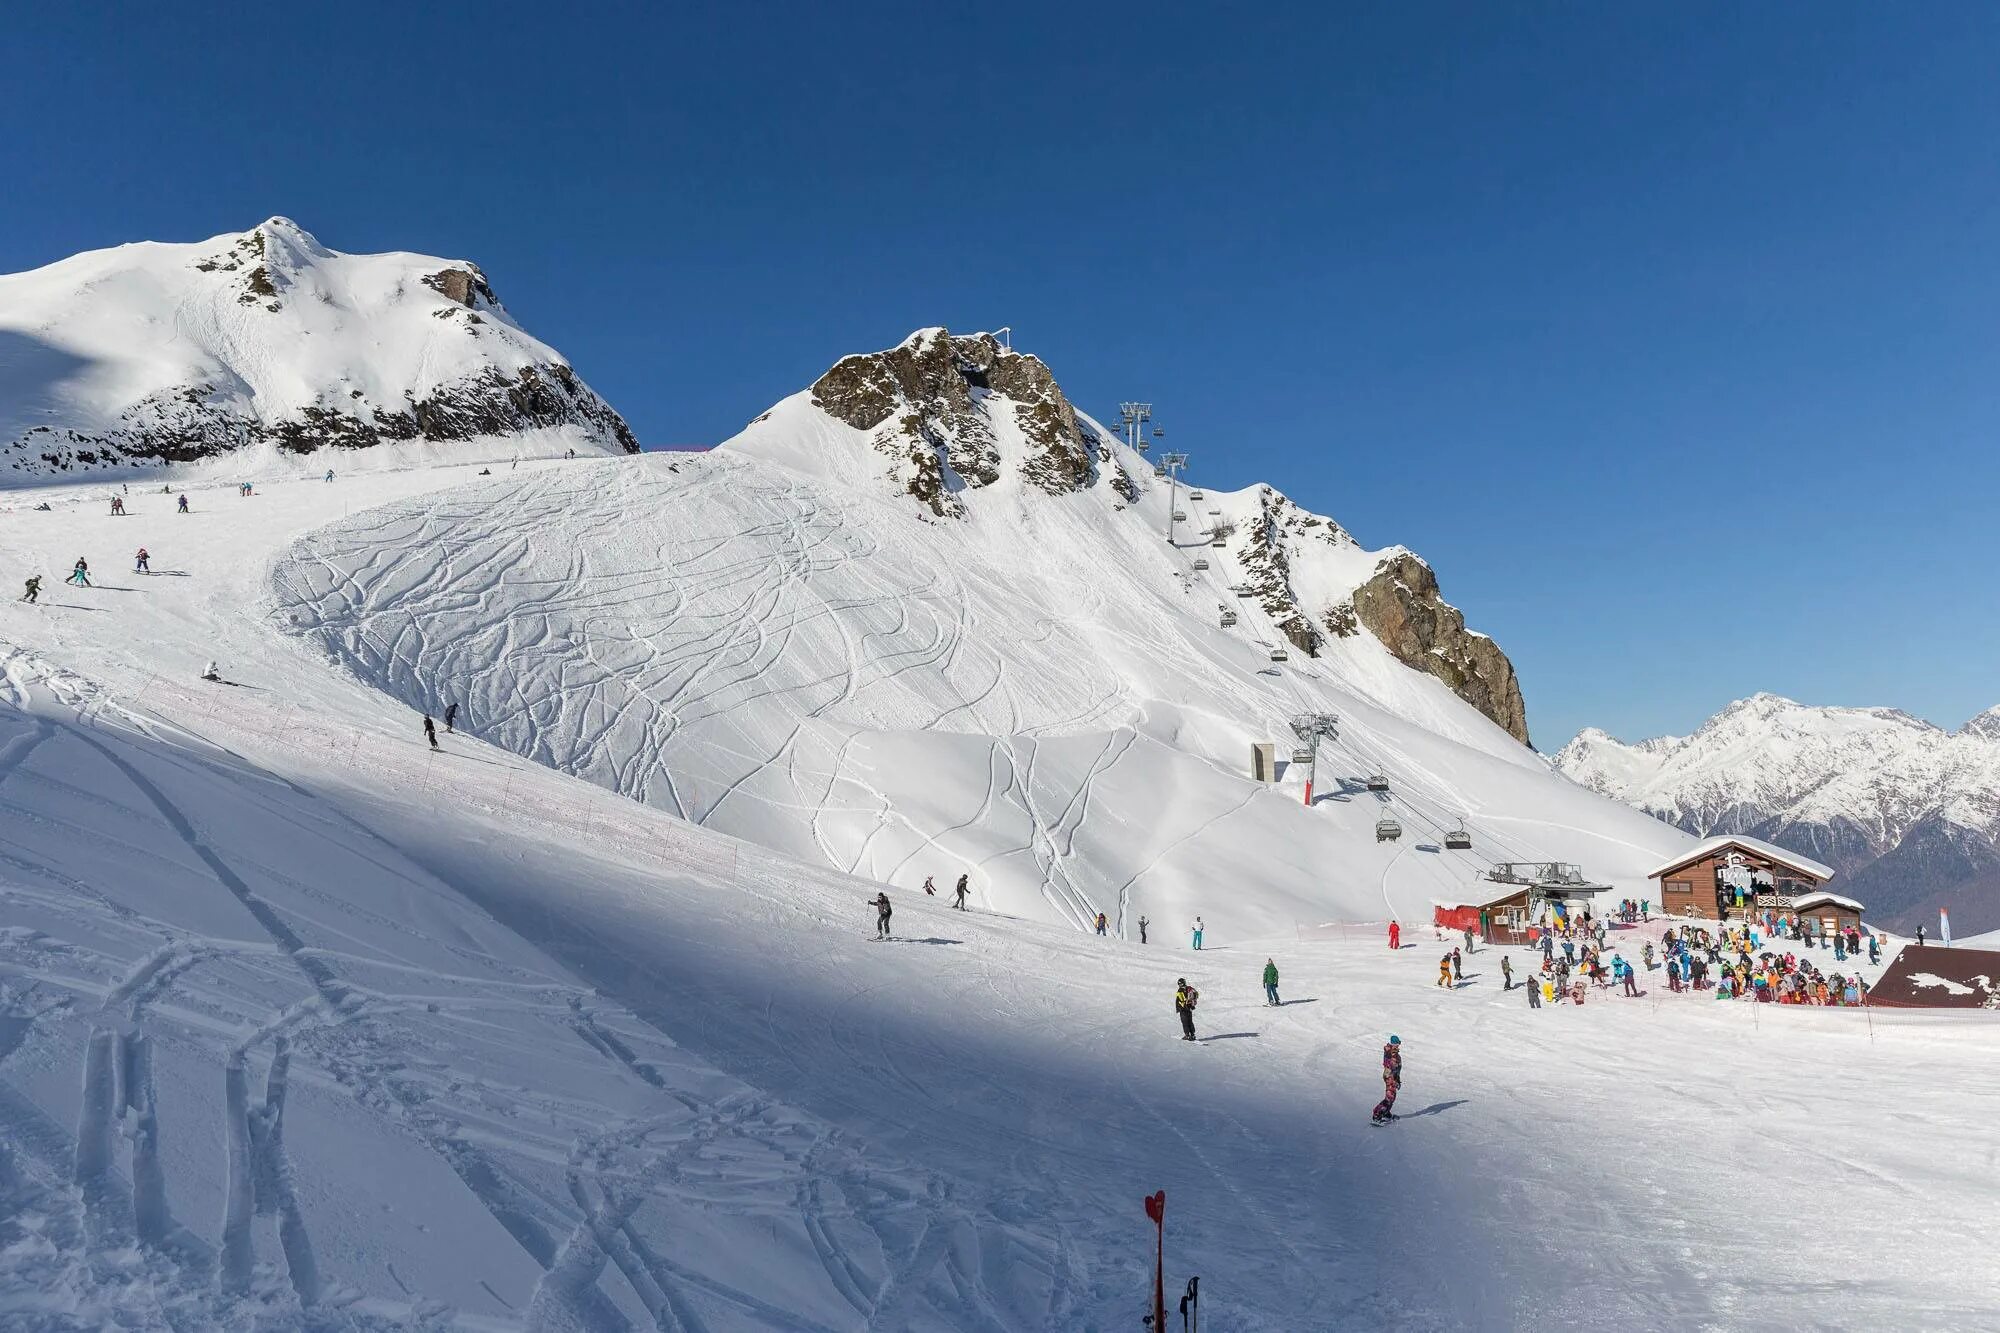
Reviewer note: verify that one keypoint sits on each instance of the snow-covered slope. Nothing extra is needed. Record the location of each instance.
(152, 353)
(1022, 682)
(1908, 812)
(302, 1027)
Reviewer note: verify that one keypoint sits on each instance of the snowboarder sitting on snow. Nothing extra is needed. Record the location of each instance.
(211, 672)
(1186, 998)
(1271, 982)
(34, 591)
(880, 902)
(80, 576)
(1392, 1080)
(430, 731)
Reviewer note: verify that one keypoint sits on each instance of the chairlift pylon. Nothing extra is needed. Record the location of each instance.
(1387, 830)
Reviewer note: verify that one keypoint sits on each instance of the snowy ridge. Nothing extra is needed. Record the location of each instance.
(1908, 812)
(154, 353)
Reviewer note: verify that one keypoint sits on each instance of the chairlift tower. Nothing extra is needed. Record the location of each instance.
(1132, 419)
(1172, 463)
(1311, 728)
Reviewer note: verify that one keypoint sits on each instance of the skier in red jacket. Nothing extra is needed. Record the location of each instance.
(1395, 935)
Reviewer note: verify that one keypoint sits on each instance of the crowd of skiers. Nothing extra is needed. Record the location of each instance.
(1736, 964)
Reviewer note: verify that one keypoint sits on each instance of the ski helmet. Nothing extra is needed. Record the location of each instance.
(1181, 982)
(1395, 1040)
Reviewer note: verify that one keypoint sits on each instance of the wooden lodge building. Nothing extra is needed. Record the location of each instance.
(1729, 877)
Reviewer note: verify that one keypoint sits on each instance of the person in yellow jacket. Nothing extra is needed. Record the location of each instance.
(1444, 971)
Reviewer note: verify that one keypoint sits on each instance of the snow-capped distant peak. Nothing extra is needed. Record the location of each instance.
(1905, 810)
(157, 353)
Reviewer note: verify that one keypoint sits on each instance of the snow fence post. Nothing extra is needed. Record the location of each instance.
(1156, 1208)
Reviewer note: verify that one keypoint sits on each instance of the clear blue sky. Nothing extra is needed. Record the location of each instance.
(1665, 331)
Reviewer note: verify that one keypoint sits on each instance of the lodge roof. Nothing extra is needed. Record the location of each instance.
(1769, 851)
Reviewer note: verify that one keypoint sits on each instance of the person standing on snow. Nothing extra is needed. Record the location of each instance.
(1534, 992)
(1186, 998)
(1197, 932)
(1101, 924)
(80, 576)
(142, 563)
(1142, 930)
(1457, 966)
(1271, 983)
(430, 731)
(1392, 1080)
(1395, 935)
(960, 890)
(450, 719)
(1506, 973)
(1631, 977)
(184, 503)
(1468, 941)
(1920, 929)
(880, 902)
(34, 586)
(1444, 970)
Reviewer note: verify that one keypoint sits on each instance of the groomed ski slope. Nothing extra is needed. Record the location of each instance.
(550, 1058)
(1039, 696)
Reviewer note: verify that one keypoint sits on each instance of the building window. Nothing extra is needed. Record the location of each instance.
(1680, 887)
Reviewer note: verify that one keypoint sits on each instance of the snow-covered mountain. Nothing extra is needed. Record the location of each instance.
(1908, 813)
(305, 1024)
(952, 638)
(167, 353)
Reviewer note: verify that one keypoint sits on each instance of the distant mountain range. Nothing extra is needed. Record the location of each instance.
(1908, 813)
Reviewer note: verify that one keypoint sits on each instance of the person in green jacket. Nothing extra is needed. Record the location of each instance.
(1270, 983)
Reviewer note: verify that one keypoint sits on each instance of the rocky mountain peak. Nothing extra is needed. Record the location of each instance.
(1400, 604)
(1986, 726)
(955, 413)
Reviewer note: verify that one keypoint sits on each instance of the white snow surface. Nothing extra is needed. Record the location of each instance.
(304, 1027)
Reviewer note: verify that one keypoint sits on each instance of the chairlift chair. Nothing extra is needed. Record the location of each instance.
(1196, 495)
(1159, 469)
(1377, 782)
(1302, 755)
(1228, 619)
(1457, 839)
(1280, 655)
(1387, 830)
(1218, 541)
(1201, 564)
(1244, 592)
(1180, 516)
(1159, 433)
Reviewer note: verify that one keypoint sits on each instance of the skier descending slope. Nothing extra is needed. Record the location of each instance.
(430, 731)
(80, 575)
(1186, 998)
(34, 591)
(1392, 1081)
(880, 902)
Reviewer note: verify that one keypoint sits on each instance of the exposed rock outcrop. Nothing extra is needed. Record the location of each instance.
(1401, 606)
(933, 405)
